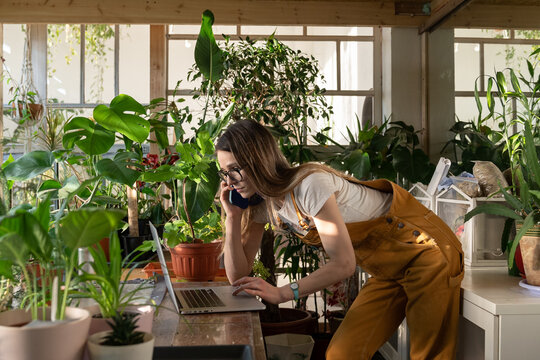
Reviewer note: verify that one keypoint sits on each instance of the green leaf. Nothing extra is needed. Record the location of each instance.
(13, 248)
(493, 209)
(29, 165)
(116, 118)
(208, 56)
(85, 227)
(89, 136)
(531, 156)
(117, 171)
(359, 164)
(528, 223)
(200, 196)
(162, 173)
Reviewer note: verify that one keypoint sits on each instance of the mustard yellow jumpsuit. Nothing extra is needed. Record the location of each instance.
(416, 267)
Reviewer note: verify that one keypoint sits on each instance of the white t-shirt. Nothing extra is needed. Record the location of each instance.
(356, 202)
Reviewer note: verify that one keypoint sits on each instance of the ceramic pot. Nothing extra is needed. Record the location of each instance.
(196, 262)
(60, 340)
(142, 351)
(144, 321)
(530, 252)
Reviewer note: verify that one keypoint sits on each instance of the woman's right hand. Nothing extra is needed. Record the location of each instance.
(230, 210)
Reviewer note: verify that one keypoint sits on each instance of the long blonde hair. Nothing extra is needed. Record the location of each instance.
(257, 153)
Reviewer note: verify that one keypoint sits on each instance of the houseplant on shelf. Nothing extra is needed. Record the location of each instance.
(123, 341)
(523, 195)
(30, 233)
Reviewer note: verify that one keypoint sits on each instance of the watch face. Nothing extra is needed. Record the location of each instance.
(294, 286)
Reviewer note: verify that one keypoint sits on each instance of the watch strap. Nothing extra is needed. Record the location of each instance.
(294, 288)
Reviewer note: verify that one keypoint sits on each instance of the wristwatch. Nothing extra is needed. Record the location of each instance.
(294, 288)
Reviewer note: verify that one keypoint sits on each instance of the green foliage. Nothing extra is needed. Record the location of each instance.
(123, 325)
(273, 84)
(105, 283)
(207, 229)
(27, 232)
(523, 196)
(388, 151)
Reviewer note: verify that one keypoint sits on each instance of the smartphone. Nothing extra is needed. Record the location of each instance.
(236, 199)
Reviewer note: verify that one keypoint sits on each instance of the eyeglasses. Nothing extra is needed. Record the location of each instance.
(234, 174)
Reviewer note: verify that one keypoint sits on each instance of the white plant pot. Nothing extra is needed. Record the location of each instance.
(142, 351)
(289, 346)
(60, 340)
(144, 321)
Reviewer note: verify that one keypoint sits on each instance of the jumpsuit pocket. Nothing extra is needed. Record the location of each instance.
(449, 245)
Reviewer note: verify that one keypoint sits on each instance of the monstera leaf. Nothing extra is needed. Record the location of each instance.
(90, 137)
(123, 116)
(29, 165)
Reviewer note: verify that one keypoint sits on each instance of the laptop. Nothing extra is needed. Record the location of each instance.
(211, 299)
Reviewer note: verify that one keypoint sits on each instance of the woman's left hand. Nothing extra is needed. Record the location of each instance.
(258, 287)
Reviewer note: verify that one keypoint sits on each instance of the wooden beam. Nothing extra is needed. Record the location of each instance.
(241, 12)
(440, 11)
(158, 70)
(507, 15)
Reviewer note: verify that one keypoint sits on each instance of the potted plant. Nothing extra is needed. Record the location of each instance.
(523, 196)
(29, 233)
(27, 106)
(123, 341)
(103, 280)
(191, 234)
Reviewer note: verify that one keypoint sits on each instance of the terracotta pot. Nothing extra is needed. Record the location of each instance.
(142, 351)
(196, 262)
(34, 110)
(61, 340)
(530, 252)
(293, 321)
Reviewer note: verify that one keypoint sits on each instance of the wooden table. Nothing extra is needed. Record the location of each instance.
(235, 328)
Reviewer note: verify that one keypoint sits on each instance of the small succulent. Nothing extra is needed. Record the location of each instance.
(123, 332)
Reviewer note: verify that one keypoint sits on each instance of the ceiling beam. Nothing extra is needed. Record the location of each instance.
(441, 11)
(241, 12)
(508, 15)
(522, 14)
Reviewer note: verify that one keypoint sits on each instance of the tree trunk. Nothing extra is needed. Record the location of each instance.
(133, 211)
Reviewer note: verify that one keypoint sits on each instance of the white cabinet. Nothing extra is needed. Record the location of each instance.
(500, 319)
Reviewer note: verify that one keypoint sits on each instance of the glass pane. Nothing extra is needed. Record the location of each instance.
(340, 30)
(13, 47)
(466, 66)
(134, 66)
(269, 30)
(482, 33)
(356, 65)
(466, 110)
(63, 63)
(99, 62)
(194, 29)
(325, 53)
(180, 61)
(346, 108)
(497, 57)
(527, 34)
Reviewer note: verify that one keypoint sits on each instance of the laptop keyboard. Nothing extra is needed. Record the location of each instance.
(201, 298)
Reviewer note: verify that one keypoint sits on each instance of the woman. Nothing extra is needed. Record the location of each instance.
(415, 261)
